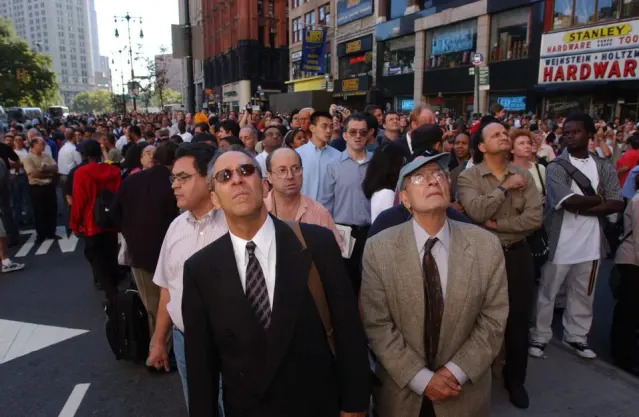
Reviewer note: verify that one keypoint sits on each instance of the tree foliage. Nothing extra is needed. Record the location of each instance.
(26, 78)
(169, 97)
(98, 101)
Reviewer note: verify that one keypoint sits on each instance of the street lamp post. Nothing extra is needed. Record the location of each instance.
(122, 81)
(128, 18)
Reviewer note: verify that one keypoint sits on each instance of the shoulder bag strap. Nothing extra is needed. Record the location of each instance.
(317, 291)
(541, 180)
(580, 178)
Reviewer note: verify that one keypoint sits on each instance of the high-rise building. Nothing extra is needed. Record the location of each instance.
(172, 69)
(60, 29)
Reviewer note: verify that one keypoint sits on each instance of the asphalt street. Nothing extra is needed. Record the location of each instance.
(56, 289)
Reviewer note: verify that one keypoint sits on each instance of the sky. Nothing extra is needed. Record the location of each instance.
(157, 18)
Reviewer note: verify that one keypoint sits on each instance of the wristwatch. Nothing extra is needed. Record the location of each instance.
(503, 190)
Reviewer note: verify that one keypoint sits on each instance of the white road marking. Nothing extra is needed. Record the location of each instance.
(67, 243)
(74, 400)
(20, 338)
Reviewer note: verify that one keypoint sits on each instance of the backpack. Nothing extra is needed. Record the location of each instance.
(101, 209)
(127, 327)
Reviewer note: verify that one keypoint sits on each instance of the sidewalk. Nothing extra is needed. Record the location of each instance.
(563, 384)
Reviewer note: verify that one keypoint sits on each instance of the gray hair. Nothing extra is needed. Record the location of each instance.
(209, 170)
(35, 132)
(251, 128)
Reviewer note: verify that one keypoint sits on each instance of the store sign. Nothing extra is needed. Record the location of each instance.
(598, 66)
(515, 103)
(350, 85)
(350, 10)
(296, 56)
(314, 42)
(354, 46)
(620, 35)
(446, 42)
(353, 86)
(406, 105)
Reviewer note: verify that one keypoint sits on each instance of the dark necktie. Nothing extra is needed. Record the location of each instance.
(256, 288)
(433, 303)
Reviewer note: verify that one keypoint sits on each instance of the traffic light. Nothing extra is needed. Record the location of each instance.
(21, 74)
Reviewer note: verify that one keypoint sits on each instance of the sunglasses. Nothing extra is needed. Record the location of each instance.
(225, 175)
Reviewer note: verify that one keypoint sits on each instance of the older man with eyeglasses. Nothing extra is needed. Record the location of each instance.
(285, 201)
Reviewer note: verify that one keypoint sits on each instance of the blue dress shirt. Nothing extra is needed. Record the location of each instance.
(342, 192)
(628, 189)
(314, 163)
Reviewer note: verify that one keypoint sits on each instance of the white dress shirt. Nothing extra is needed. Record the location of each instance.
(68, 158)
(121, 142)
(265, 253)
(186, 137)
(440, 252)
(185, 236)
(261, 159)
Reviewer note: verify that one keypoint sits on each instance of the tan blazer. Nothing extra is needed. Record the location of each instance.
(475, 312)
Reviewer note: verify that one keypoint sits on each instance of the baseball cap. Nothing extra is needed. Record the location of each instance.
(441, 158)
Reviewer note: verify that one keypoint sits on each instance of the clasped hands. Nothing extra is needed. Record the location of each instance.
(442, 385)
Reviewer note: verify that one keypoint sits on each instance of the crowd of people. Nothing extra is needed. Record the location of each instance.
(418, 248)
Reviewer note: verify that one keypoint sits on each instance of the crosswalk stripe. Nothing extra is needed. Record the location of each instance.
(24, 250)
(67, 243)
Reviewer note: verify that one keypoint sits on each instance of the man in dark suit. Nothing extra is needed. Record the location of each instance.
(248, 312)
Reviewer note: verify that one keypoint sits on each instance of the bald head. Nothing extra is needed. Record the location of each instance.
(280, 154)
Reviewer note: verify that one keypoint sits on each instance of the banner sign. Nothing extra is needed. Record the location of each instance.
(446, 42)
(598, 66)
(313, 45)
(349, 10)
(515, 103)
(619, 35)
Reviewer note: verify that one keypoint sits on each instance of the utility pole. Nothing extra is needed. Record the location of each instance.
(128, 19)
(190, 83)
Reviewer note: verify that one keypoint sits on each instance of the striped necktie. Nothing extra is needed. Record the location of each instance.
(256, 288)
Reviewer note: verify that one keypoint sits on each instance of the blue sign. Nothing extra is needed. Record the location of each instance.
(452, 41)
(515, 103)
(313, 43)
(406, 105)
(349, 10)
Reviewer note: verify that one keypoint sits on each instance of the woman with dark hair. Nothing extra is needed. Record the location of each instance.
(381, 177)
(295, 139)
(133, 159)
(461, 150)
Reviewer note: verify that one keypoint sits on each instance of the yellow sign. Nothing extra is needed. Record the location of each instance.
(350, 85)
(598, 33)
(314, 36)
(354, 46)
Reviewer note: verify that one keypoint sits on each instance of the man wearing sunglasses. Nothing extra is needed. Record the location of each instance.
(342, 193)
(248, 312)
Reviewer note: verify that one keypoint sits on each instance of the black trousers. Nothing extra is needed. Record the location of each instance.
(45, 209)
(625, 320)
(521, 285)
(7, 213)
(101, 251)
(354, 264)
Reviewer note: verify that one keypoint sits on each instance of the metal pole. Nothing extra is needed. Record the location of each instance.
(476, 100)
(128, 28)
(190, 83)
(122, 80)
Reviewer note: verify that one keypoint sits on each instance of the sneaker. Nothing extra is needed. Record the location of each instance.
(581, 349)
(13, 267)
(536, 349)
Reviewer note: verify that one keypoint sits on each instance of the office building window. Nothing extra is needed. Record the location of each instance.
(325, 14)
(399, 55)
(568, 13)
(295, 3)
(509, 34)
(297, 30)
(309, 19)
(451, 46)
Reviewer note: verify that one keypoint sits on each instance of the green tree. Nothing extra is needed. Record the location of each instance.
(98, 101)
(168, 97)
(26, 78)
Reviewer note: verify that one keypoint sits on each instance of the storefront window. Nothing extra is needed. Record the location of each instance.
(607, 9)
(451, 46)
(509, 34)
(563, 14)
(630, 8)
(399, 55)
(297, 73)
(584, 12)
(356, 65)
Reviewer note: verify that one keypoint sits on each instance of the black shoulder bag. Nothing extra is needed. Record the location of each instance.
(538, 240)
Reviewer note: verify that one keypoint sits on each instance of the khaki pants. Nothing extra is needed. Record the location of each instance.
(149, 293)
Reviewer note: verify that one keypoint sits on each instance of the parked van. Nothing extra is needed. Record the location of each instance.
(24, 114)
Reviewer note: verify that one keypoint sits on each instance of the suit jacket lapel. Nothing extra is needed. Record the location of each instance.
(460, 263)
(291, 278)
(410, 281)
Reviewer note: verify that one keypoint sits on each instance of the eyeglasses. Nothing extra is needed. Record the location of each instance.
(362, 133)
(225, 175)
(282, 172)
(425, 177)
(181, 178)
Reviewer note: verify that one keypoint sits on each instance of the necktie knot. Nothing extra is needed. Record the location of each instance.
(250, 247)
(429, 244)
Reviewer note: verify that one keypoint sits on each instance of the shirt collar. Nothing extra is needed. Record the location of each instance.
(421, 236)
(262, 239)
(345, 155)
(484, 170)
(211, 215)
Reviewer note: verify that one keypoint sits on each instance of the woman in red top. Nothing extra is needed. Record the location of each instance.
(628, 160)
